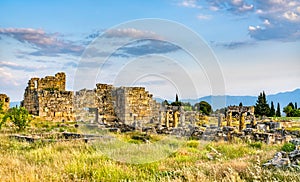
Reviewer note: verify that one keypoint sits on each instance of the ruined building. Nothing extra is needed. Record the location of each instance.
(172, 116)
(4, 99)
(126, 104)
(241, 114)
(47, 98)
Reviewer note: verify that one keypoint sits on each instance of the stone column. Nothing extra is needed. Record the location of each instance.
(175, 119)
(229, 118)
(167, 119)
(219, 120)
(242, 121)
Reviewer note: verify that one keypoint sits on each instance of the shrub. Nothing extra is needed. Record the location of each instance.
(18, 116)
(288, 147)
(257, 145)
(193, 144)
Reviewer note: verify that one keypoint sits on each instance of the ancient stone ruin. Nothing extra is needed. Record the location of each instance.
(47, 98)
(133, 108)
(242, 114)
(4, 99)
(125, 104)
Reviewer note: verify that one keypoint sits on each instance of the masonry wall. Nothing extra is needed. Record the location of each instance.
(5, 100)
(128, 104)
(136, 104)
(47, 98)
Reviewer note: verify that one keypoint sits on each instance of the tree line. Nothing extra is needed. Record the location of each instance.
(203, 107)
(262, 108)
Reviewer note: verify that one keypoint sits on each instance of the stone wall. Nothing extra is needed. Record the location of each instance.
(135, 104)
(127, 104)
(47, 98)
(5, 100)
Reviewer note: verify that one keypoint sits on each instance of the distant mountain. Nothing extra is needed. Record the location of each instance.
(282, 98)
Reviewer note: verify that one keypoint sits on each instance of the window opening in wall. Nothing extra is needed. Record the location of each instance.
(35, 84)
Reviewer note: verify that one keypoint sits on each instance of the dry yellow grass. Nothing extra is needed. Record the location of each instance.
(78, 161)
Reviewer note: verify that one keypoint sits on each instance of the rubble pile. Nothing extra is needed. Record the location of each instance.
(286, 159)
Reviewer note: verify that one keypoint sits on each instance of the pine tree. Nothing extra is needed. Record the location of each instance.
(176, 100)
(272, 110)
(262, 108)
(278, 113)
(296, 107)
(241, 104)
(292, 105)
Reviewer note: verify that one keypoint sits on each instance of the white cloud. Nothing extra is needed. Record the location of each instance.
(204, 17)
(246, 7)
(237, 2)
(7, 79)
(130, 33)
(291, 16)
(267, 22)
(46, 43)
(252, 28)
(189, 4)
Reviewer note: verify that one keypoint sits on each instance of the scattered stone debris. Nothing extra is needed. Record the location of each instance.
(286, 159)
(58, 137)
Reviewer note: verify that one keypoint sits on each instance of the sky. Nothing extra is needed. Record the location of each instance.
(190, 47)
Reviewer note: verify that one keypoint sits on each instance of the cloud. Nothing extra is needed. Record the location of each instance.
(130, 33)
(46, 44)
(234, 6)
(145, 47)
(204, 17)
(15, 66)
(189, 4)
(234, 45)
(280, 19)
(7, 79)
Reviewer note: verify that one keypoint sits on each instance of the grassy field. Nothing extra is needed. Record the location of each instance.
(129, 157)
(193, 161)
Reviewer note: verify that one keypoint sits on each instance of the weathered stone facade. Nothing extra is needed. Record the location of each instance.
(127, 104)
(4, 99)
(47, 98)
(135, 104)
(172, 116)
(241, 113)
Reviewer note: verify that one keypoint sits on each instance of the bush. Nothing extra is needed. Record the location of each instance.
(18, 116)
(193, 144)
(257, 145)
(288, 147)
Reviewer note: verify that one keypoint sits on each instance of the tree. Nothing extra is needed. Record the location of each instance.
(272, 110)
(262, 108)
(241, 104)
(203, 107)
(165, 102)
(288, 110)
(278, 113)
(177, 102)
(292, 105)
(292, 110)
(18, 116)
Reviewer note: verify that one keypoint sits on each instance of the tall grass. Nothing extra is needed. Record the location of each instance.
(79, 161)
